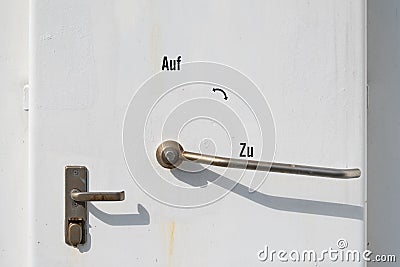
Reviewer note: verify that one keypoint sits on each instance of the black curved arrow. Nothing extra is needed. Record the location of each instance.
(222, 91)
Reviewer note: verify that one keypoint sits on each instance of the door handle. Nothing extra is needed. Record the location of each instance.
(170, 154)
(76, 198)
(97, 196)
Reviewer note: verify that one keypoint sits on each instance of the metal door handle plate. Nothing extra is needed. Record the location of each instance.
(76, 196)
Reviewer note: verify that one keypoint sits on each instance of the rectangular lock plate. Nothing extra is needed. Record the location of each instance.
(75, 212)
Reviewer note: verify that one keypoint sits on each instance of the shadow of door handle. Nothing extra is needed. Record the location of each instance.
(170, 154)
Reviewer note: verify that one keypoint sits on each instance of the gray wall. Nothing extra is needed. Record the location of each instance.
(384, 128)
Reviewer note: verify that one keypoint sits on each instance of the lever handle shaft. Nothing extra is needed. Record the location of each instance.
(170, 154)
(97, 196)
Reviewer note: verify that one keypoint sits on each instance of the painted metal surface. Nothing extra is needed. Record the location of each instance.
(13, 133)
(88, 58)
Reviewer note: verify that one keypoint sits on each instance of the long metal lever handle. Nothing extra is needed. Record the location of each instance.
(170, 154)
(97, 196)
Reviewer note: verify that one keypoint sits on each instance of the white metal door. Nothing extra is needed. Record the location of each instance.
(291, 75)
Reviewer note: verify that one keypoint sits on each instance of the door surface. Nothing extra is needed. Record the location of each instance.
(280, 81)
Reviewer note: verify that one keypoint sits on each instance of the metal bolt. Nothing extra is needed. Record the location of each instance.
(171, 156)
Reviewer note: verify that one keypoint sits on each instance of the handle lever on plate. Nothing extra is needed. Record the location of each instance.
(97, 196)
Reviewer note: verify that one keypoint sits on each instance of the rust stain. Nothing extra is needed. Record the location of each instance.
(171, 238)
